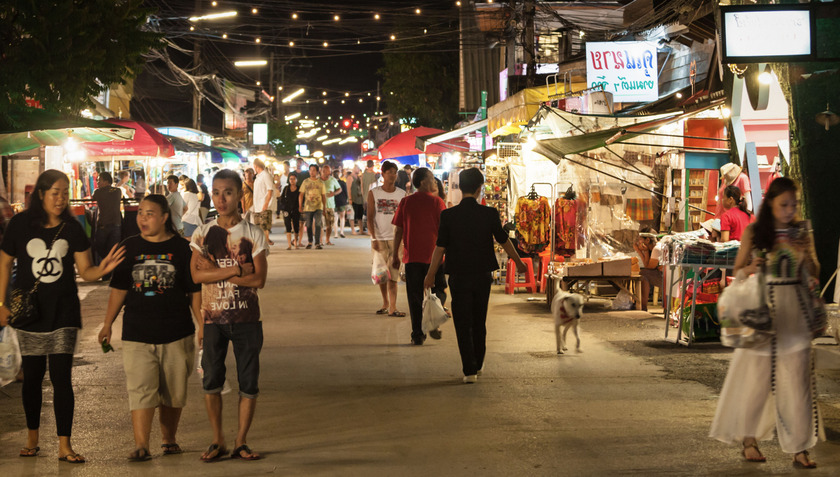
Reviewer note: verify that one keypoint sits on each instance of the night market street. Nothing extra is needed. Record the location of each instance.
(342, 392)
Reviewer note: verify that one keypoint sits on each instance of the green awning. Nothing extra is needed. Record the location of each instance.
(29, 128)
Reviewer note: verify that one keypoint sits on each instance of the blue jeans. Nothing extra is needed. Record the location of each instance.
(309, 218)
(247, 341)
(104, 239)
(189, 229)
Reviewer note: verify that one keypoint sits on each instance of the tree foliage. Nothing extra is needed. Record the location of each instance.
(421, 85)
(62, 53)
(282, 137)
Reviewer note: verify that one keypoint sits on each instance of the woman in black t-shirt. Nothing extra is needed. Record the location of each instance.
(47, 242)
(157, 289)
(291, 211)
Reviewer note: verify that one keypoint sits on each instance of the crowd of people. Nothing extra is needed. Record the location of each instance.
(188, 280)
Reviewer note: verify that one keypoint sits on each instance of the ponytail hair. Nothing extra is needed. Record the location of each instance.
(764, 228)
(734, 193)
(161, 202)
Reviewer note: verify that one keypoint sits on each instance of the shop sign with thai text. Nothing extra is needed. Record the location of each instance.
(627, 69)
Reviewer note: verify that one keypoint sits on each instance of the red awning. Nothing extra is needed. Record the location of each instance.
(404, 144)
(147, 142)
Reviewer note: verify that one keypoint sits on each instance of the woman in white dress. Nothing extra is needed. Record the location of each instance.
(192, 215)
(772, 386)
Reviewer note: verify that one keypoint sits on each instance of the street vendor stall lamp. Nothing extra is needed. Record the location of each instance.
(827, 118)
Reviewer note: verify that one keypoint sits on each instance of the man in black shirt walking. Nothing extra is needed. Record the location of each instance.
(466, 236)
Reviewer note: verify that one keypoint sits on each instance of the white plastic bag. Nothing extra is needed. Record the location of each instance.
(433, 313)
(9, 356)
(380, 273)
(622, 301)
(742, 295)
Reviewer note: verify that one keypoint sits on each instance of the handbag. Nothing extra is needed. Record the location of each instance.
(433, 313)
(23, 305)
(745, 319)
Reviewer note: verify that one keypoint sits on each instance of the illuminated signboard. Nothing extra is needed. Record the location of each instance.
(627, 69)
(765, 33)
(260, 134)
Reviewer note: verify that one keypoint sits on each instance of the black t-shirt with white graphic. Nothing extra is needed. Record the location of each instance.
(158, 280)
(57, 296)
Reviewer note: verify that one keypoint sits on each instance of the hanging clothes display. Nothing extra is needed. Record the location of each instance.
(565, 226)
(533, 223)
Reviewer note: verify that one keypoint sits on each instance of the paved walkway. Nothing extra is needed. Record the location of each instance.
(344, 393)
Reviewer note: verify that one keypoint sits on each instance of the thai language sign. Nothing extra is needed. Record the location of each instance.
(627, 69)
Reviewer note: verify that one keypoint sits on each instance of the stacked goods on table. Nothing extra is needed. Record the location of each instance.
(617, 267)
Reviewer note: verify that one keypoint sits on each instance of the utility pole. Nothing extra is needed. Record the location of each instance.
(196, 94)
(530, 12)
(272, 89)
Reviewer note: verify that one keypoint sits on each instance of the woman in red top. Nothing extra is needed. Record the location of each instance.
(736, 216)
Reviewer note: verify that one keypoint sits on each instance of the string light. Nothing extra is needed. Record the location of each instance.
(346, 94)
(324, 93)
(326, 44)
(336, 18)
(325, 101)
(192, 28)
(424, 31)
(342, 101)
(258, 83)
(393, 37)
(457, 4)
(291, 43)
(279, 88)
(361, 100)
(224, 35)
(214, 3)
(417, 11)
(294, 16)
(258, 40)
(254, 11)
(376, 17)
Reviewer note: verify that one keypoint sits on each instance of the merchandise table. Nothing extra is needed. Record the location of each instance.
(680, 272)
(631, 284)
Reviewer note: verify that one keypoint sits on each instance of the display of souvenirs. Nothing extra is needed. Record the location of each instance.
(496, 187)
(533, 223)
(692, 248)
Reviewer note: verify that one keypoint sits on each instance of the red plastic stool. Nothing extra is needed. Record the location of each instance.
(544, 268)
(512, 284)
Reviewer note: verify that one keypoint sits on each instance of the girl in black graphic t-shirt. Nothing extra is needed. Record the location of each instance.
(48, 242)
(155, 285)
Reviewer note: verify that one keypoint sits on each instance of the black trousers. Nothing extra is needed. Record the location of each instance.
(34, 369)
(415, 274)
(470, 297)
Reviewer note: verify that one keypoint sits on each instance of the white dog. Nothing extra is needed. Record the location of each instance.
(567, 309)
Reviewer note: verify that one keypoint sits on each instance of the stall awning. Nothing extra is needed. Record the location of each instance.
(507, 116)
(606, 130)
(147, 142)
(425, 141)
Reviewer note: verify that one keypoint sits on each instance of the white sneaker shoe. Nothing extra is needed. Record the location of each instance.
(471, 379)
(480, 371)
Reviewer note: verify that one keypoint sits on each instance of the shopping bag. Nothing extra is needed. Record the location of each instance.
(9, 356)
(433, 313)
(744, 316)
(380, 273)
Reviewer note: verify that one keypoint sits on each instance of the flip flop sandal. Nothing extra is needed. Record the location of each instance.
(761, 457)
(29, 451)
(398, 314)
(237, 453)
(170, 449)
(72, 459)
(139, 455)
(800, 465)
(220, 452)
(381, 311)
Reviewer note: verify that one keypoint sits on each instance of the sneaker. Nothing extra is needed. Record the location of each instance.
(309, 245)
(471, 379)
(480, 371)
(435, 334)
(418, 341)
(317, 246)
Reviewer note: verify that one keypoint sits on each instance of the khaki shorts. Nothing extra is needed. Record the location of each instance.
(329, 216)
(156, 374)
(263, 219)
(386, 250)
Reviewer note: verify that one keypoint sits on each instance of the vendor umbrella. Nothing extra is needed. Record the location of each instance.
(147, 142)
(28, 128)
(402, 147)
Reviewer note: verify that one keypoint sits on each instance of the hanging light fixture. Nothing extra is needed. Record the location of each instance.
(827, 118)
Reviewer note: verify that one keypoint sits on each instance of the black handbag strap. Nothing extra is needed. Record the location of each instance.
(60, 228)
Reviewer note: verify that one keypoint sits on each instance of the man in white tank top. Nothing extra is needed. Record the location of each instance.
(382, 205)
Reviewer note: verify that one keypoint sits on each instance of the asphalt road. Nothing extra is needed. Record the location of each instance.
(344, 393)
